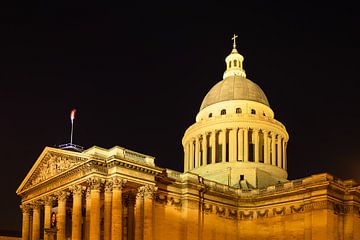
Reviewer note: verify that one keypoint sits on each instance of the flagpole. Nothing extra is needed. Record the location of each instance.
(72, 131)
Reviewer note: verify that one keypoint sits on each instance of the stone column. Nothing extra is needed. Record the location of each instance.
(197, 152)
(61, 215)
(186, 157)
(36, 221)
(107, 210)
(76, 212)
(256, 144)
(266, 147)
(149, 195)
(131, 215)
(273, 151)
(191, 162)
(139, 214)
(284, 155)
(240, 142)
(204, 149)
(25, 221)
(279, 151)
(47, 215)
(246, 144)
(232, 145)
(117, 209)
(95, 186)
(223, 134)
(87, 214)
(213, 146)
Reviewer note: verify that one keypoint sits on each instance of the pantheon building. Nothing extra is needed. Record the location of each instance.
(234, 184)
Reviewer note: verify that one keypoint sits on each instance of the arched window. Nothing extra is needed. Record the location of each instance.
(230, 64)
(210, 115)
(253, 111)
(223, 112)
(238, 110)
(264, 114)
(235, 63)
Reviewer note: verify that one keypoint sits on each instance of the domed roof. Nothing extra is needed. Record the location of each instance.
(234, 88)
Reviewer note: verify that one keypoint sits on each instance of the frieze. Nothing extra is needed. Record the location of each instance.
(232, 213)
(279, 211)
(52, 165)
(176, 202)
(298, 209)
(220, 211)
(207, 208)
(246, 215)
(262, 213)
(161, 198)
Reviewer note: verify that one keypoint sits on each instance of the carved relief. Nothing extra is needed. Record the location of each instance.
(298, 209)
(77, 189)
(279, 211)
(94, 183)
(176, 202)
(52, 165)
(233, 214)
(118, 183)
(161, 198)
(147, 191)
(220, 211)
(207, 208)
(246, 216)
(262, 214)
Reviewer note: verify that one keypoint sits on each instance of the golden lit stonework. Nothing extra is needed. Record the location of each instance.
(234, 184)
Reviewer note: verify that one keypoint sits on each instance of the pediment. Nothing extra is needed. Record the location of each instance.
(51, 163)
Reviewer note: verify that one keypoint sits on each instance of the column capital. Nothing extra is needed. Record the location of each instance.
(37, 204)
(147, 191)
(273, 134)
(264, 131)
(25, 208)
(62, 195)
(48, 200)
(118, 183)
(94, 183)
(77, 189)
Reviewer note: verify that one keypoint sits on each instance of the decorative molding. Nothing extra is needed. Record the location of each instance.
(298, 209)
(262, 213)
(118, 183)
(25, 208)
(246, 216)
(77, 189)
(161, 198)
(94, 183)
(281, 211)
(147, 191)
(220, 211)
(207, 208)
(232, 213)
(62, 195)
(51, 165)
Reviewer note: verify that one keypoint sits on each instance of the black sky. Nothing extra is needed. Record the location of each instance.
(137, 75)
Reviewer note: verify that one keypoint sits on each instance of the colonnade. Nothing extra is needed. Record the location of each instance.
(117, 201)
(237, 144)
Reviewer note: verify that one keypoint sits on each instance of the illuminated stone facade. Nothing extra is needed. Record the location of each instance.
(234, 184)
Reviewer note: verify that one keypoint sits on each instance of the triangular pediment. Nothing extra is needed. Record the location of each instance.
(51, 163)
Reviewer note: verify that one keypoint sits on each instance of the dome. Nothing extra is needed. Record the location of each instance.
(234, 88)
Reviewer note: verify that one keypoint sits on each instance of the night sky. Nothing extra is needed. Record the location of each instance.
(137, 76)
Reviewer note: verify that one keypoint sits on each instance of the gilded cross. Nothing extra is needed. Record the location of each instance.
(234, 38)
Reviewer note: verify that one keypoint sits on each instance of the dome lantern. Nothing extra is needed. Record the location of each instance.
(234, 62)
